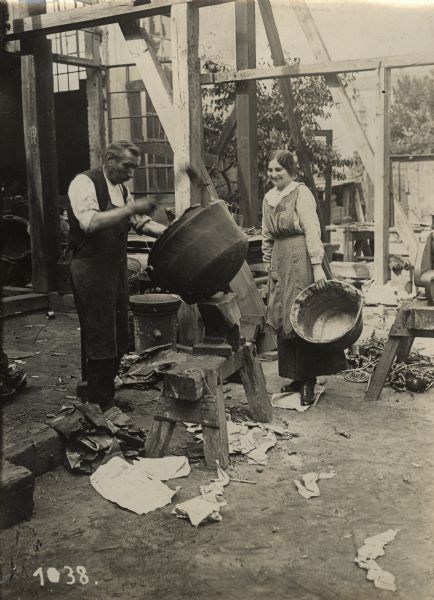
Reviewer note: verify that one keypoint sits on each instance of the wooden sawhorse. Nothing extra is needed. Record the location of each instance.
(193, 392)
(414, 319)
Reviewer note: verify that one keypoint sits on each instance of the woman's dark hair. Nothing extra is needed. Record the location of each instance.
(285, 160)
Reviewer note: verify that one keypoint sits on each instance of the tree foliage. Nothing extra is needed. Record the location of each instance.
(412, 115)
(314, 103)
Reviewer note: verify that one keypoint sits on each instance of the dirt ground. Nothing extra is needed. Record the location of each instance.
(272, 542)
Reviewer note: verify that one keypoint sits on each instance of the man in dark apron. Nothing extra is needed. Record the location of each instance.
(100, 212)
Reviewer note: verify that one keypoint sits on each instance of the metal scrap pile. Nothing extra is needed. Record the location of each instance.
(416, 374)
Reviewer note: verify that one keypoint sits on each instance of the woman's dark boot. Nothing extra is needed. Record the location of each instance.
(294, 386)
(308, 392)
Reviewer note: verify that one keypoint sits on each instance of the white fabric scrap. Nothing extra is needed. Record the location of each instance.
(372, 548)
(308, 488)
(253, 443)
(199, 509)
(217, 484)
(206, 507)
(163, 469)
(193, 427)
(127, 486)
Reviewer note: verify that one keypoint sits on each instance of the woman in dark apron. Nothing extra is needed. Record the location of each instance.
(294, 254)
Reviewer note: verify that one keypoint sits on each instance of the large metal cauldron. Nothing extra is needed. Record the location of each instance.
(199, 253)
(331, 317)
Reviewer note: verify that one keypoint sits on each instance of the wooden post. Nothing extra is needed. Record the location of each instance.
(187, 104)
(95, 104)
(247, 137)
(41, 161)
(382, 178)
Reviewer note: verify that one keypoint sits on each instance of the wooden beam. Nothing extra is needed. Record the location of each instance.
(164, 150)
(247, 136)
(76, 61)
(41, 161)
(297, 70)
(226, 134)
(96, 15)
(187, 104)
(382, 177)
(289, 103)
(95, 103)
(14, 305)
(337, 90)
(324, 67)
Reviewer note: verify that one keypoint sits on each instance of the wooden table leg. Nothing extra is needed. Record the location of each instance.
(158, 439)
(382, 369)
(253, 380)
(404, 348)
(214, 426)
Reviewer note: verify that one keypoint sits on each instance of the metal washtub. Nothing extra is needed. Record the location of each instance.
(331, 317)
(199, 253)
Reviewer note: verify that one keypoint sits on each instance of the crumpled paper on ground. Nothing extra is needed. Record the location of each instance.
(372, 548)
(126, 485)
(309, 487)
(206, 507)
(200, 509)
(163, 469)
(292, 400)
(248, 438)
(253, 442)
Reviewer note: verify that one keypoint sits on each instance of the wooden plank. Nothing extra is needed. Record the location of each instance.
(285, 70)
(405, 231)
(253, 380)
(96, 15)
(382, 178)
(76, 61)
(226, 134)
(214, 426)
(161, 149)
(289, 103)
(247, 137)
(95, 103)
(382, 369)
(158, 438)
(13, 305)
(422, 318)
(16, 494)
(323, 67)
(36, 446)
(41, 162)
(12, 290)
(187, 104)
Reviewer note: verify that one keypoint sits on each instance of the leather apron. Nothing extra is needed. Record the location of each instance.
(100, 284)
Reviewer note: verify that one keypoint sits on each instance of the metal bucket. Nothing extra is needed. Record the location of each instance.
(331, 318)
(154, 319)
(199, 253)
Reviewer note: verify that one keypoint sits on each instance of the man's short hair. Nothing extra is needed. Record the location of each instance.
(117, 149)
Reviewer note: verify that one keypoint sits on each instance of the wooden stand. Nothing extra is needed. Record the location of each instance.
(414, 319)
(193, 390)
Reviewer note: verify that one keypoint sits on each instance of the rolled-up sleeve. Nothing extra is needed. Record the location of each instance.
(84, 204)
(137, 222)
(310, 225)
(267, 238)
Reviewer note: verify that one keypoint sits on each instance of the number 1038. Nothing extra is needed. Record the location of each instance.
(67, 575)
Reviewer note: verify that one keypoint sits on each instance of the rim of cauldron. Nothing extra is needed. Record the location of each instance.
(313, 290)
